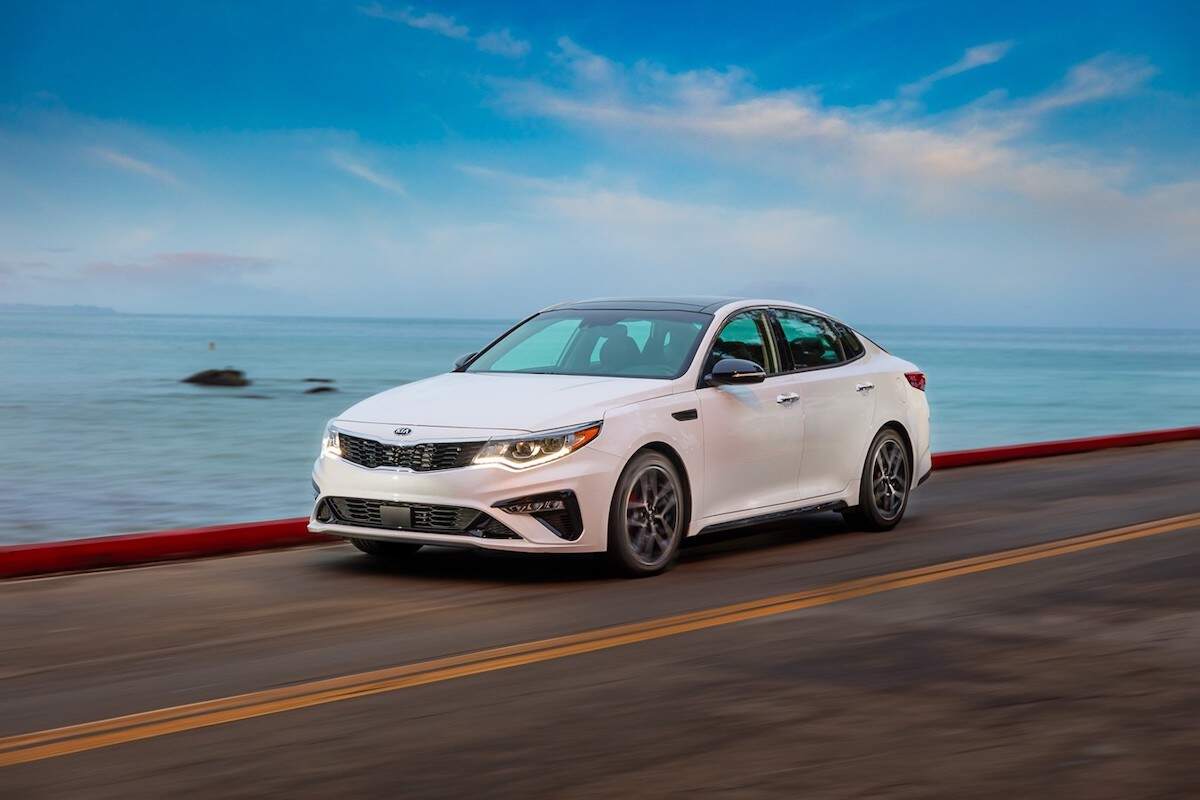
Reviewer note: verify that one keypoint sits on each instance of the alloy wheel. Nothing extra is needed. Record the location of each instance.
(889, 479)
(652, 515)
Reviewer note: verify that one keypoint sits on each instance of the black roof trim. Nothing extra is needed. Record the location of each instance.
(704, 305)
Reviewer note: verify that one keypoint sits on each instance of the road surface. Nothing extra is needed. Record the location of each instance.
(988, 647)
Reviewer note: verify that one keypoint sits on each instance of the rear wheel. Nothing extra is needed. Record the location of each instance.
(647, 517)
(382, 549)
(886, 481)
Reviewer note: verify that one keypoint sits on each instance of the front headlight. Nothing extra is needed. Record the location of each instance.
(537, 448)
(331, 443)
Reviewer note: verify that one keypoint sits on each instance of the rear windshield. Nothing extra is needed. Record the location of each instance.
(618, 344)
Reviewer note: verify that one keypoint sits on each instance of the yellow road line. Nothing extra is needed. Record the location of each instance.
(45, 744)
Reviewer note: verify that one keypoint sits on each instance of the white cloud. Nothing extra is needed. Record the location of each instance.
(184, 266)
(1101, 78)
(956, 161)
(703, 241)
(910, 204)
(583, 64)
(437, 23)
(363, 171)
(500, 43)
(876, 213)
(978, 56)
(136, 165)
(585, 236)
(18, 269)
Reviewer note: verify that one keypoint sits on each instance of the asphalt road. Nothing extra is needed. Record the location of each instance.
(1069, 670)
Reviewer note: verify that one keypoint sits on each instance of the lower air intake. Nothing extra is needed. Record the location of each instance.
(422, 517)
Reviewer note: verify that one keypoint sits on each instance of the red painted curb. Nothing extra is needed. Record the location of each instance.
(142, 548)
(1062, 447)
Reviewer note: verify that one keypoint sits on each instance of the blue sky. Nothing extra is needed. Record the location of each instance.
(1017, 163)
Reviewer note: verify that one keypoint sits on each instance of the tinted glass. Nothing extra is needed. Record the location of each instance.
(744, 336)
(810, 339)
(851, 346)
(629, 344)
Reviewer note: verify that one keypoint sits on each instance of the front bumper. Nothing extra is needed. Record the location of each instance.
(589, 473)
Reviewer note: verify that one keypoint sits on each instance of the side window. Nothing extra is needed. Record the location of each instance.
(851, 346)
(810, 340)
(744, 336)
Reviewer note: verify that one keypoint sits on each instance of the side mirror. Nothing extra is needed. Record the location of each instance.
(733, 371)
(462, 360)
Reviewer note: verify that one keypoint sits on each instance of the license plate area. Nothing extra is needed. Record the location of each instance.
(399, 517)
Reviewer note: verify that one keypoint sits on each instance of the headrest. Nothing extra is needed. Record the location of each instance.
(619, 351)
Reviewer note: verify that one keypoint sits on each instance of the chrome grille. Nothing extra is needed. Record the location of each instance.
(422, 457)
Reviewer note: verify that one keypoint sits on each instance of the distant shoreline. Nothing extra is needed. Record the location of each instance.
(30, 308)
(105, 311)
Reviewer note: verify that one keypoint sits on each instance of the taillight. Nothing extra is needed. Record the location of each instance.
(916, 380)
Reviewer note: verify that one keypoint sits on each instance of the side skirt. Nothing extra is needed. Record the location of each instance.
(774, 516)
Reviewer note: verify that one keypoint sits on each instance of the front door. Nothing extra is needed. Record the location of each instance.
(752, 433)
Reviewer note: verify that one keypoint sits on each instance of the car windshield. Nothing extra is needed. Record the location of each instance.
(621, 343)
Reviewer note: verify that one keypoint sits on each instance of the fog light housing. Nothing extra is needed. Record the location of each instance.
(558, 511)
(324, 512)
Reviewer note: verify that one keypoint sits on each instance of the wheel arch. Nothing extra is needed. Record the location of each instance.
(671, 454)
(899, 428)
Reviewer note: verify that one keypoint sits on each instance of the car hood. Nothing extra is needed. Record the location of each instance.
(502, 401)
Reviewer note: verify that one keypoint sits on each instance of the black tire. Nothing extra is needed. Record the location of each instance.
(883, 491)
(642, 541)
(382, 549)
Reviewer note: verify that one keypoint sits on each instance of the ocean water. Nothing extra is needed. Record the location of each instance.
(99, 436)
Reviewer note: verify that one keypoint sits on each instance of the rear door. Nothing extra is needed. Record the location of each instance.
(753, 433)
(837, 399)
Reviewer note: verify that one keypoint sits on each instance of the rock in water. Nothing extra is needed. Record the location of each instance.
(219, 377)
(318, 380)
(320, 390)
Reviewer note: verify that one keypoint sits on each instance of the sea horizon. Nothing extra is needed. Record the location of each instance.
(9, 308)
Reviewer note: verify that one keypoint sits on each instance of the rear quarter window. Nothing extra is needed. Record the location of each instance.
(852, 346)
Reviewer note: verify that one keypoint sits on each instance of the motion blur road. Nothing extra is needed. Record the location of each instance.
(1062, 669)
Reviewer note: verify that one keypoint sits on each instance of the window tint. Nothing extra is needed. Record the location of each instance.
(540, 350)
(744, 336)
(851, 346)
(640, 330)
(637, 344)
(810, 340)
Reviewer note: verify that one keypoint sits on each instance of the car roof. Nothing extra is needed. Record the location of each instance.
(702, 304)
(705, 304)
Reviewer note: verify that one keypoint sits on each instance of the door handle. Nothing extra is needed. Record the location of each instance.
(787, 399)
(864, 387)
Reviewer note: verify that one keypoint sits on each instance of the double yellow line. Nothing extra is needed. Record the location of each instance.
(148, 724)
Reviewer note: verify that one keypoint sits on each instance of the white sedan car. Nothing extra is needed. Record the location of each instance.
(623, 426)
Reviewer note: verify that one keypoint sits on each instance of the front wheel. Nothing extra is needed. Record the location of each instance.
(382, 549)
(647, 517)
(886, 480)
